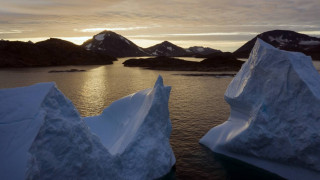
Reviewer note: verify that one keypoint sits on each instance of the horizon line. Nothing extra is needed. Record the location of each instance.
(145, 43)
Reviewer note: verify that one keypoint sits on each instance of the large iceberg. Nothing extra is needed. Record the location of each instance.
(275, 114)
(42, 136)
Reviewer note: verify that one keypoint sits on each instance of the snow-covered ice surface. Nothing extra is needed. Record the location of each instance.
(311, 43)
(200, 49)
(43, 136)
(122, 38)
(279, 39)
(100, 37)
(88, 46)
(275, 119)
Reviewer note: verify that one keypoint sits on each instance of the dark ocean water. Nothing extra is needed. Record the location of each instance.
(196, 105)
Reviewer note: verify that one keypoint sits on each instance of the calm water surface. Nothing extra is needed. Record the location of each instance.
(196, 105)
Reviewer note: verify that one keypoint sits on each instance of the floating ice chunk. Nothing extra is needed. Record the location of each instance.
(44, 137)
(275, 118)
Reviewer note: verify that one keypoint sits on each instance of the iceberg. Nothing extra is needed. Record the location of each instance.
(275, 119)
(42, 136)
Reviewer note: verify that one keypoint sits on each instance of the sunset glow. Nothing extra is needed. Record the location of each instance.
(147, 22)
(75, 40)
(110, 29)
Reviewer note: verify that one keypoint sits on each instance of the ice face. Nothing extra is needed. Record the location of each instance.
(64, 148)
(274, 119)
(44, 137)
(21, 115)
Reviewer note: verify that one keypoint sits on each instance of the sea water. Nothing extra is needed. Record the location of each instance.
(196, 105)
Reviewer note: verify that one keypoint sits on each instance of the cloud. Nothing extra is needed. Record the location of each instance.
(225, 18)
(110, 29)
(10, 32)
(55, 7)
(313, 33)
(167, 12)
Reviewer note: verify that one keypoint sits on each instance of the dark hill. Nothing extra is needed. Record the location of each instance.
(113, 44)
(51, 52)
(166, 48)
(174, 64)
(201, 51)
(285, 40)
(222, 59)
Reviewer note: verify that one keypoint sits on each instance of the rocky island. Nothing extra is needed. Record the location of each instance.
(216, 62)
(68, 70)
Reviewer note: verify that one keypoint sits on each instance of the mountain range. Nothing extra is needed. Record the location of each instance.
(118, 46)
(105, 46)
(285, 40)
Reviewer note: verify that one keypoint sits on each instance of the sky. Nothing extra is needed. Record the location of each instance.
(219, 24)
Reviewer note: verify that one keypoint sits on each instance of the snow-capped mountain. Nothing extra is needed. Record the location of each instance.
(285, 40)
(166, 49)
(118, 46)
(201, 50)
(114, 45)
